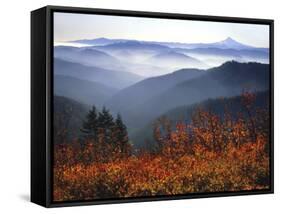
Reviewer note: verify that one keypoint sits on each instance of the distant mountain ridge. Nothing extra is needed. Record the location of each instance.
(135, 45)
(228, 43)
(110, 78)
(148, 59)
(230, 79)
(98, 41)
(150, 87)
(88, 57)
(212, 54)
(145, 80)
(83, 91)
(176, 60)
(184, 113)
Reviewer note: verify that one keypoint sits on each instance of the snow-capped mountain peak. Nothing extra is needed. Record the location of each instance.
(231, 43)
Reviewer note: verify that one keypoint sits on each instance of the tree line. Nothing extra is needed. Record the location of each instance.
(209, 154)
(107, 136)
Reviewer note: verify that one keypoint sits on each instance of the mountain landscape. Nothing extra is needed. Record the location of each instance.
(150, 87)
(142, 80)
(86, 92)
(174, 60)
(230, 79)
(149, 58)
(87, 56)
(228, 43)
(185, 113)
(110, 78)
(147, 107)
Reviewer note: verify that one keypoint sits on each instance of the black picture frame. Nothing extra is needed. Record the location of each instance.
(42, 102)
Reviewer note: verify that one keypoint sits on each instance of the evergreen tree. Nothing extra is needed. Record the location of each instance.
(122, 135)
(90, 125)
(106, 124)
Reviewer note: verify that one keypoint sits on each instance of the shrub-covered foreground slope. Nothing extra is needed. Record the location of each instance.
(208, 154)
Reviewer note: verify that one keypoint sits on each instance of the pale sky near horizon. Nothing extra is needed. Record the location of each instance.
(74, 26)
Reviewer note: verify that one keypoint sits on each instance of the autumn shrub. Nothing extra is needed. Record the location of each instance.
(210, 154)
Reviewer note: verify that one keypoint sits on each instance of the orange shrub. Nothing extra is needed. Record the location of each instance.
(210, 154)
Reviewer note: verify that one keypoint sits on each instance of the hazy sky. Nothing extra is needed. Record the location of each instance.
(71, 26)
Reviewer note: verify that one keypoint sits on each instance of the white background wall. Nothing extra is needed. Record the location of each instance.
(15, 105)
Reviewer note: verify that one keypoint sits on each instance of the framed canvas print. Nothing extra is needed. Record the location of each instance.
(138, 106)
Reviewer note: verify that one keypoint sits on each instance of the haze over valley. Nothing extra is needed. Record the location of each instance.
(143, 80)
(147, 107)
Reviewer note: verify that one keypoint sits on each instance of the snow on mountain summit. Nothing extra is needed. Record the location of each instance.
(231, 43)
